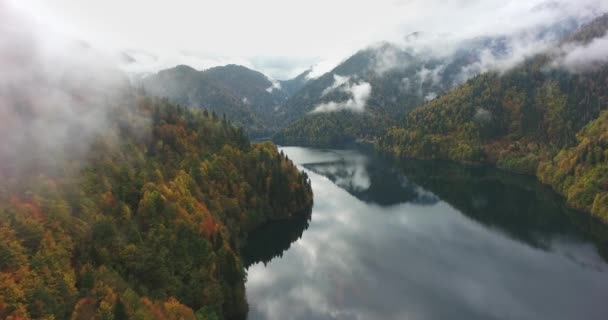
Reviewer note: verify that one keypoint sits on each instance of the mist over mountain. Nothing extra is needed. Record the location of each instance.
(386, 81)
(113, 204)
(132, 175)
(291, 86)
(244, 96)
(52, 89)
(247, 97)
(370, 91)
(545, 117)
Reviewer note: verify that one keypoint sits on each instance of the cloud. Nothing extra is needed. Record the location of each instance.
(581, 58)
(501, 34)
(434, 75)
(344, 268)
(144, 63)
(482, 116)
(325, 65)
(512, 51)
(388, 57)
(339, 81)
(430, 55)
(280, 39)
(281, 67)
(359, 93)
(274, 86)
(55, 94)
(431, 28)
(430, 96)
(432, 63)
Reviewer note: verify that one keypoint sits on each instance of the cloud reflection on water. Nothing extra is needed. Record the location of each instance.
(361, 260)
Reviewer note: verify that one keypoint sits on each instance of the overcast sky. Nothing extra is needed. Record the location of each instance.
(280, 37)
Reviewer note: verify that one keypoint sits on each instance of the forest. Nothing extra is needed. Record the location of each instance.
(331, 130)
(534, 119)
(149, 224)
(133, 189)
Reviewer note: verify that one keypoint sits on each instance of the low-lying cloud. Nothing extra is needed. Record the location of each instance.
(430, 96)
(55, 95)
(200, 34)
(274, 86)
(339, 81)
(582, 58)
(358, 92)
(430, 64)
(387, 57)
(437, 57)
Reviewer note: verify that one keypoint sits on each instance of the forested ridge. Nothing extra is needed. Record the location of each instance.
(536, 118)
(247, 98)
(335, 129)
(149, 224)
(402, 77)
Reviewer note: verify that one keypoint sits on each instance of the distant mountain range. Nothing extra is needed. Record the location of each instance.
(357, 100)
(401, 78)
(533, 102)
(546, 117)
(244, 96)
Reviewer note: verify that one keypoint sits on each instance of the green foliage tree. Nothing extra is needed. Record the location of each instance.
(148, 225)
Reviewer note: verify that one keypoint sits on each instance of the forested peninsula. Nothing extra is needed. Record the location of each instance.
(147, 224)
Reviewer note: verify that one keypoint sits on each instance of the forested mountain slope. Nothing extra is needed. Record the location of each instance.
(148, 224)
(542, 117)
(291, 86)
(246, 97)
(332, 130)
(254, 88)
(399, 79)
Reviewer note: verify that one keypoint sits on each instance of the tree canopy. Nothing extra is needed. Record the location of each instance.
(149, 225)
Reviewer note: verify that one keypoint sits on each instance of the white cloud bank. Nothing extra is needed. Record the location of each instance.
(358, 92)
(55, 94)
(282, 38)
(339, 81)
(585, 57)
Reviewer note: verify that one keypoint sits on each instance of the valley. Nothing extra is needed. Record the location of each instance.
(524, 118)
(319, 160)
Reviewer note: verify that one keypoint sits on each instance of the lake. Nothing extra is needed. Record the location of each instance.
(426, 240)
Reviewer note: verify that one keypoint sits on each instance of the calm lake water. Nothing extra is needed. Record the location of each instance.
(426, 240)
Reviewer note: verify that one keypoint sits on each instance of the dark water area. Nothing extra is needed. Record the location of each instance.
(426, 240)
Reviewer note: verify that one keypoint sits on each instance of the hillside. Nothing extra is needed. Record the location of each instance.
(580, 172)
(331, 130)
(361, 67)
(530, 119)
(254, 88)
(147, 224)
(291, 86)
(400, 78)
(246, 97)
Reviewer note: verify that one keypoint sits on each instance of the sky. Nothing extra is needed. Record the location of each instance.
(278, 37)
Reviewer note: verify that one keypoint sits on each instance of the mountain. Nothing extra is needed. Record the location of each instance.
(544, 117)
(254, 88)
(246, 97)
(333, 129)
(382, 101)
(291, 86)
(147, 223)
(358, 68)
(400, 78)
